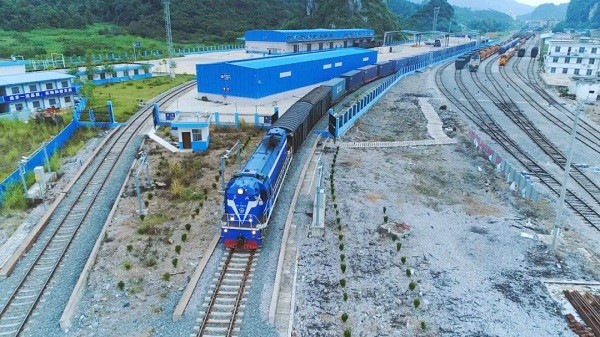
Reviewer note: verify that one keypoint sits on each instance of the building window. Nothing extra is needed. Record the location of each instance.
(19, 106)
(49, 86)
(320, 45)
(36, 104)
(196, 135)
(555, 59)
(557, 49)
(594, 50)
(52, 101)
(582, 49)
(64, 84)
(136, 71)
(330, 45)
(15, 90)
(67, 99)
(579, 59)
(102, 76)
(592, 61)
(32, 88)
(567, 59)
(552, 70)
(576, 71)
(588, 72)
(296, 48)
(565, 70)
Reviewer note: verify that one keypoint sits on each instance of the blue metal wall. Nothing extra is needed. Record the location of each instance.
(274, 75)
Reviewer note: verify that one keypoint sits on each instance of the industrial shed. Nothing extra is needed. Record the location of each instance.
(293, 41)
(257, 78)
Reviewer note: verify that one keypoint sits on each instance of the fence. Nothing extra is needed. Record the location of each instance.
(78, 61)
(519, 180)
(44, 152)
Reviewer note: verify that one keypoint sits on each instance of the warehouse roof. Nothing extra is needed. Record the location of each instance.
(307, 34)
(41, 76)
(267, 62)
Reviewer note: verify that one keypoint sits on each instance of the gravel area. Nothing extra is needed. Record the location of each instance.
(459, 226)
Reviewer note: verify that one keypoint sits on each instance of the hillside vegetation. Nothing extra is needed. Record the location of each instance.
(582, 14)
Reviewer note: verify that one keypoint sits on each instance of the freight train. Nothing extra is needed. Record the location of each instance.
(250, 195)
(481, 55)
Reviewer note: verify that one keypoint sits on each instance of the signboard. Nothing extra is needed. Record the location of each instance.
(267, 119)
(225, 77)
(170, 116)
(39, 94)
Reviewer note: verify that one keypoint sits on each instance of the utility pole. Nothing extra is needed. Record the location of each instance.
(563, 189)
(436, 11)
(166, 4)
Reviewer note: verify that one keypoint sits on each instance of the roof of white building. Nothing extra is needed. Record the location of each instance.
(34, 77)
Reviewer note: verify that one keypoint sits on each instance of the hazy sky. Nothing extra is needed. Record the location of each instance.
(539, 2)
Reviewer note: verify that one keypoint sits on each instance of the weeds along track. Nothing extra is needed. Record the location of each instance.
(224, 308)
(473, 110)
(34, 272)
(502, 100)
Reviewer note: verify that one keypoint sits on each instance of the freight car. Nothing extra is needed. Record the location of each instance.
(521, 52)
(251, 194)
(534, 51)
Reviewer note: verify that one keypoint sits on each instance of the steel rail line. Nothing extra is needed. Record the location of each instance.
(54, 242)
(478, 116)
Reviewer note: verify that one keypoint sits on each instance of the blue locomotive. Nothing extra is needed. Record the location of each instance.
(251, 193)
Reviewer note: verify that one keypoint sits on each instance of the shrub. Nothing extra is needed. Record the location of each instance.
(341, 246)
(408, 272)
(398, 246)
(205, 190)
(385, 218)
(339, 227)
(150, 196)
(341, 237)
(403, 259)
(412, 285)
(337, 212)
(178, 249)
(384, 209)
(201, 203)
(338, 220)
(121, 285)
(345, 297)
(14, 198)
(184, 237)
(394, 237)
(335, 206)
(343, 267)
(347, 332)
(166, 276)
(174, 262)
(342, 282)
(216, 179)
(423, 325)
(214, 186)
(142, 216)
(146, 203)
(127, 265)
(344, 317)
(342, 257)
(188, 227)
(129, 248)
(416, 302)
(197, 210)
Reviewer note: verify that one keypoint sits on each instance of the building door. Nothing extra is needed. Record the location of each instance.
(186, 137)
(330, 45)
(320, 45)
(309, 47)
(345, 44)
(296, 49)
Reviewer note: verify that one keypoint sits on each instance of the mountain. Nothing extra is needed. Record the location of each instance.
(197, 21)
(546, 11)
(582, 14)
(504, 6)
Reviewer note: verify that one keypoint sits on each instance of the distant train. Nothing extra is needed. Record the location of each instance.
(251, 194)
(521, 52)
(481, 55)
(534, 51)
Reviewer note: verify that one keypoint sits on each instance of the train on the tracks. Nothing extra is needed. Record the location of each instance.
(251, 193)
(480, 55)
(513, 47)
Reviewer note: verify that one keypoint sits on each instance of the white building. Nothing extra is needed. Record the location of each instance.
(575, 56)
(585, 88)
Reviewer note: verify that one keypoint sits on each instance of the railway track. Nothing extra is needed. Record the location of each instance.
(34, 272)
(506, 104)
(476, 113)
(225, 306)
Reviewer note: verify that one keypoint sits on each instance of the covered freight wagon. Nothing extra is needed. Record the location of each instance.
(337, 88)
(386, 68)
(354, 79)
(370, 73)
(534, 51)
(257, 78)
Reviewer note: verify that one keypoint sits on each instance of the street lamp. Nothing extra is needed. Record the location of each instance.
(62, 57)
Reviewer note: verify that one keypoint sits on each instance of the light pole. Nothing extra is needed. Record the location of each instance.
(62, 58)
(563, 188)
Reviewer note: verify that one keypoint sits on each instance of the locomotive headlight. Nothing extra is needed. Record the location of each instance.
(231, 218)
(253, 232)
(240, 190)
(225, 230)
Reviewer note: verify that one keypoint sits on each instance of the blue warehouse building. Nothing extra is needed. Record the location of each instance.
(257, 78)
(294, 41)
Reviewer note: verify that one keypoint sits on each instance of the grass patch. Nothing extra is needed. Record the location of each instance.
(152, 224)
(124, 95)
